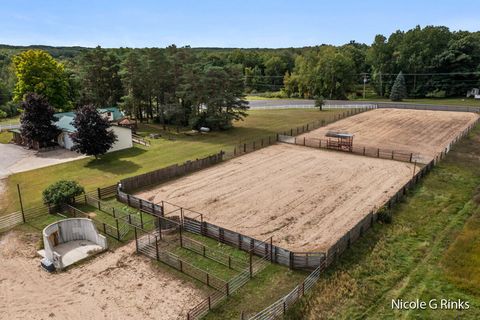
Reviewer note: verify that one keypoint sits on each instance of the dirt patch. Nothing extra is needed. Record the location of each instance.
(114, 285)
(419, 131)
(305, 198)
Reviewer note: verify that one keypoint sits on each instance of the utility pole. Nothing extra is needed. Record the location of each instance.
(364, 84)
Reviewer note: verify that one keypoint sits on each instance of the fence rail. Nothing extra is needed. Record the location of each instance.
(398, 155)
(28, 214)
(140, 140)
(148, 244)
(280, 307)
(164, 174)
(106, 228)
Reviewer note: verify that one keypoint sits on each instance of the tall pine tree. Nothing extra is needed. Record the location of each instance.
(399, 89)
(93, 136)
(37, 121)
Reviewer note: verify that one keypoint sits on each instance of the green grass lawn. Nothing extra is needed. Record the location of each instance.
(265, 288)
(430, 251)
(176, 148)
(5, 137)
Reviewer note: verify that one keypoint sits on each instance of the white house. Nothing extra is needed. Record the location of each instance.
(65, 120)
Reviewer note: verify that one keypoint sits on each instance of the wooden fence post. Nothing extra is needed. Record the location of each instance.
(271, 248)
(21, 203)
(156, 248)
(136, 238)
(118, 230)
(250, 264)
(99, 193)
(181, 238)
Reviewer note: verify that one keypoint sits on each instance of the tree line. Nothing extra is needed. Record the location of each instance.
(206, 86)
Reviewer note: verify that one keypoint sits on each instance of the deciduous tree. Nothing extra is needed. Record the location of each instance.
(37, 121)
(93, 135)
(38, 72)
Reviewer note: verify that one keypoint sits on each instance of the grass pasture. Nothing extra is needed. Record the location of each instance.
(430, 251)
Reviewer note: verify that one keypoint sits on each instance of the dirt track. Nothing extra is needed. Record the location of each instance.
(306, 198)
(114, 285)
(419, 131)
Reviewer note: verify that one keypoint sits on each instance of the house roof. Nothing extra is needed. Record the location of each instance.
(117, 114)
(65, 119)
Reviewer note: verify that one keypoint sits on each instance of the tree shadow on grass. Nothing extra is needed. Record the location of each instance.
(115, 166)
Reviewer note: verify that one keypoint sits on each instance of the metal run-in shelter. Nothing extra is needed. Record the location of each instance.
(69, 241)
(340, 140)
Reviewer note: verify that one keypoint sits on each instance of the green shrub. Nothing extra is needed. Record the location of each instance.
(61, 192)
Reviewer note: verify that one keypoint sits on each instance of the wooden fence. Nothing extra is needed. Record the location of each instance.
(103, 227)
(148, 244)
(193, 222)
(29, 214)
(164, 174)
(356, 149)
(201, 309)
(279, 308)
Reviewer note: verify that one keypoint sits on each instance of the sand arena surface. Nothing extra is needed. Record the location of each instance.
(113, 285)
(419, 131)
(305, 198)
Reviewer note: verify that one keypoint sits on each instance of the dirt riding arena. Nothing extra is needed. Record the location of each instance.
(422, 132)
(114, 285)
(305, 198)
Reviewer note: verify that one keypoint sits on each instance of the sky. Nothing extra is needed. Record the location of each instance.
(222, 23)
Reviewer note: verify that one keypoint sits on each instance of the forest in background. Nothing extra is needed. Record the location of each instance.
(206, 86)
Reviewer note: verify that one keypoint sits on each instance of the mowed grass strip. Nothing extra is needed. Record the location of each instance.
(163, 152)
(430, 251)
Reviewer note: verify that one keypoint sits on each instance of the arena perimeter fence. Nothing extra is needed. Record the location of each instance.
(249, 146)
